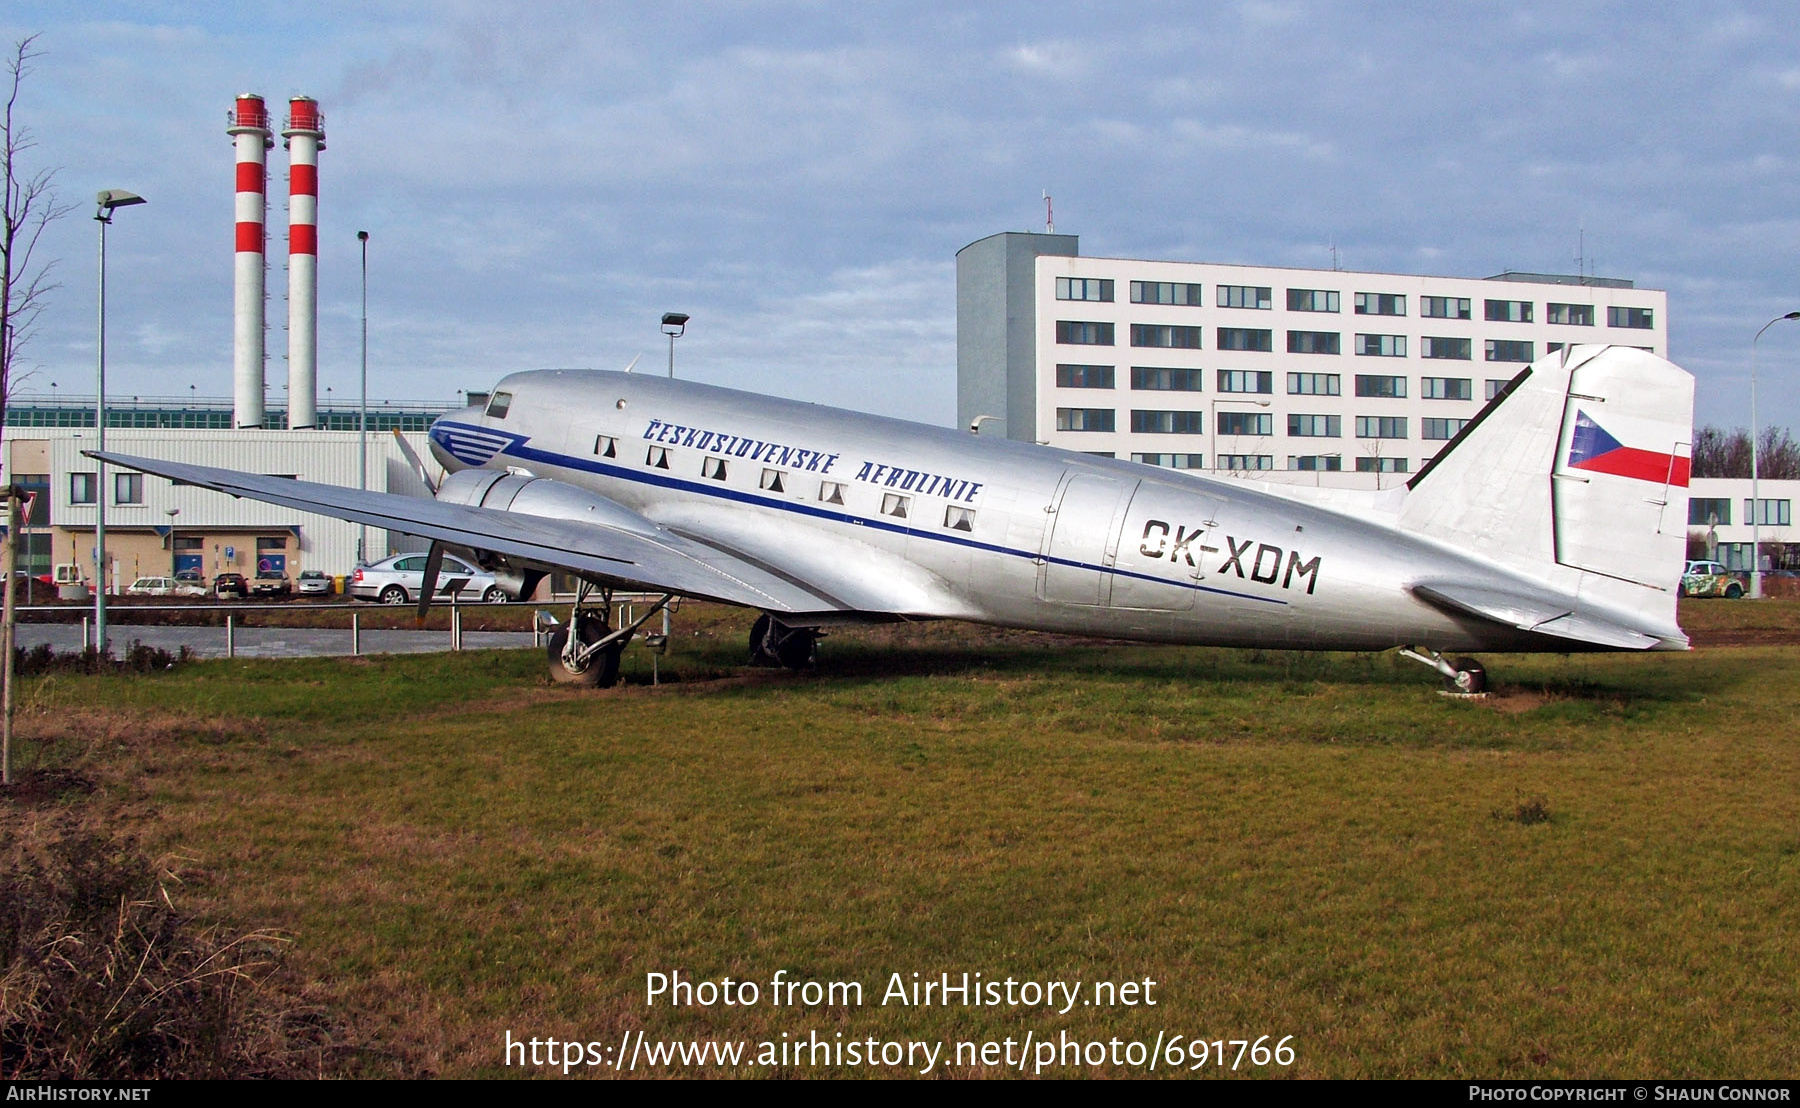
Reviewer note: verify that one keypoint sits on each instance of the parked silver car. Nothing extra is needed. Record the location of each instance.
(397, 580)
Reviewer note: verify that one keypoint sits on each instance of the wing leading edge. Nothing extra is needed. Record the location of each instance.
(647, 555)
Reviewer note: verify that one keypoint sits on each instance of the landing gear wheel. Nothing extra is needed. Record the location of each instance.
(393, 594)
(775, 644)
(601, 670)
(1471, 677)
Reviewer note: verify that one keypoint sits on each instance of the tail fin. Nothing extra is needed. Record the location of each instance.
(1576, 475)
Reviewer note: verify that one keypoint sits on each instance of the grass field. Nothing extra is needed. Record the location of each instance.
(1288, 844)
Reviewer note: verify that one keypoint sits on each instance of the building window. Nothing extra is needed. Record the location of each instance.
(1246, 338)
(1172, 461)
(1156, 379)
(605, 446)
(1381, 465)
(1246, 380)
(82, 487)
(1245, 296)
(1238, 463)
(1511, 350)
(959, 519)
(1165, 292)
(774, 480)
(1446, 388)
(1494, 387)
(1767, 513)
(1381, 346)
(499, 404)
(1099, 453)
(831, 492)
(1706, 512)
(1507, 311)
(1641, 319)
(1573, 315)
(128, 488)
(1312, 300)
(1380, 303)
(1380, 427)
(713, 468)
(1313, 384)
(1385, 388)
(1312, 342)
(1316, 426)
(1084, 419)
(1084, 288)
(1440, 429)
(1179, 338)
(893, 504)
(1168, 423)
(1246, 423)
(1443, 349)
(1444, 307)
(1073, 333)
(657, 457)
(1084, 377)
(1328, 463)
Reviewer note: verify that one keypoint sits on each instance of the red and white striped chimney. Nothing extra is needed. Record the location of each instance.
(248, 124)
(305, 136)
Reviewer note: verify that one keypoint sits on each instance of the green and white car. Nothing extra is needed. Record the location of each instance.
(1711, 579)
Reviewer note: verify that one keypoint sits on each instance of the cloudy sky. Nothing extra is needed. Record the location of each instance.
(541, 180)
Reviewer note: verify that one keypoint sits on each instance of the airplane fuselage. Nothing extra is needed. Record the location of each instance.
(885, 516)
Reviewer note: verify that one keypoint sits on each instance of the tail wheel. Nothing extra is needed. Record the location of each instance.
(773, 643)
(601, 670)
(1470, 677)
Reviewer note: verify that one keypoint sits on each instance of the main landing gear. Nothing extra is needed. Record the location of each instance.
(1462, 676)
(586, 651)
(773, 643)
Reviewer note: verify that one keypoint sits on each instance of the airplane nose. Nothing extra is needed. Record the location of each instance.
(449, 461)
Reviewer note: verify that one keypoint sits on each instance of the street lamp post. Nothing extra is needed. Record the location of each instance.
(674, 325)
(106, 200)
(362, 413)
(1755, 498)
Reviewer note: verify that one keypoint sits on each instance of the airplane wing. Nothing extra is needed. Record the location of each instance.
(633, 551)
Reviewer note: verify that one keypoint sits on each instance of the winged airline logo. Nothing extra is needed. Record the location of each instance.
(1594, 450)
(473, 445)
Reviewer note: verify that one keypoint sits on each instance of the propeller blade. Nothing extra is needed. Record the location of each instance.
(417, 462)
(434, 561)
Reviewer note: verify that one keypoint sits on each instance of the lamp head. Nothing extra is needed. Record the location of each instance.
(108, 199)
(674, 324)
(362, 236)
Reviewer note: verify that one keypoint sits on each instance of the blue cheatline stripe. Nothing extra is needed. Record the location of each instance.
(519, 450)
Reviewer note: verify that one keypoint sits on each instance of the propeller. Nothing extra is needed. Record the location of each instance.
(418, 465)
(434, 562)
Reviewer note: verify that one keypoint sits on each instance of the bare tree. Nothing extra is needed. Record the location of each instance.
(1722, 453)
(28, 207)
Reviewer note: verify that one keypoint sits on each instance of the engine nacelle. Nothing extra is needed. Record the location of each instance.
(537, 496)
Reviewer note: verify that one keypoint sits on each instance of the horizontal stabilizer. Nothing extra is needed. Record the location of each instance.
(1540, 611)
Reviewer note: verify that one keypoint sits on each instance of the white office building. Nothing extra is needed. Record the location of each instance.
(1258, 370)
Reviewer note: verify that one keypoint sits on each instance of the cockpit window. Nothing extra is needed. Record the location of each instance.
(498, 404)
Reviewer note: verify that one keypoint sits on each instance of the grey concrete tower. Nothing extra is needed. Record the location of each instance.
(996, 328)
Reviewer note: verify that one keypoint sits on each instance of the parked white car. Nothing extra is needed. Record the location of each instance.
(397, 580)
(164, 586)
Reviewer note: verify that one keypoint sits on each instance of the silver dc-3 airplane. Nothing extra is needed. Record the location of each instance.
(1554, 522)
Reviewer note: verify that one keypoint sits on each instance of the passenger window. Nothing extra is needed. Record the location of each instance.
(714, 468)
(831, 492)
(959, 519)
(657, 457)
(893, 504)
(771, 480)
(605, 446)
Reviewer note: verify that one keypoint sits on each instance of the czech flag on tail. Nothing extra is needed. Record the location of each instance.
(1592, 449)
